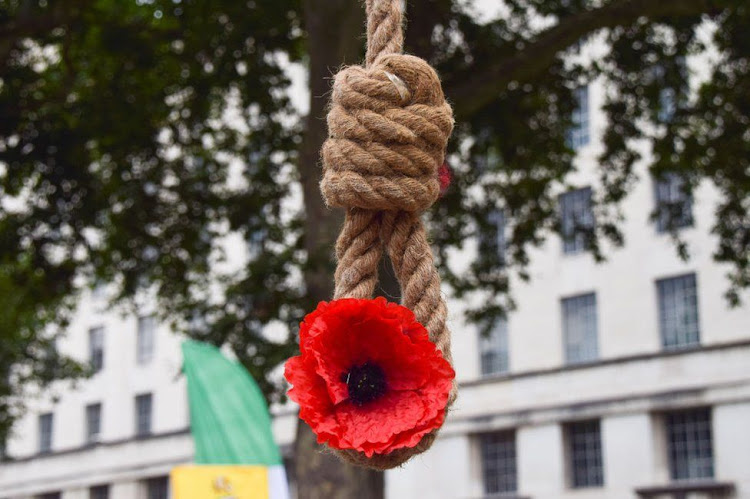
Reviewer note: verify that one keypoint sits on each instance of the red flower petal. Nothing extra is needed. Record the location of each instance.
(309, 391)
(348, 334)
(372, 428)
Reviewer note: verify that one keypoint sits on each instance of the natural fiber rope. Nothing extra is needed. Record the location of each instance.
(388, 128)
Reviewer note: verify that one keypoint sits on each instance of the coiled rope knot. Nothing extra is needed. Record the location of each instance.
(388, 128)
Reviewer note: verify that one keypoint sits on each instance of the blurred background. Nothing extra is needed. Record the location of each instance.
(159, 182)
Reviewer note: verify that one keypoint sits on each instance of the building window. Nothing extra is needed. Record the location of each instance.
(49, 495)
(492, 242)
(45, 432)
(494, 349)
(157, 488)
(143, 414)
(93, 423)
(99, 492)
(674, 204)
(678, 312)
(96, 348)
(256, 242)
(578, 135)
(580, 328)
(667, 104)
(668, 87)
(689, 444)
(584, 443)
(576, 219)
(498, 462)
(145, 339)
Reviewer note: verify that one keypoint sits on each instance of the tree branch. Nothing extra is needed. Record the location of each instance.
(474, 88)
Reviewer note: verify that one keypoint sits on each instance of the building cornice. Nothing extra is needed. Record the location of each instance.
(39, 456)
(510, 376)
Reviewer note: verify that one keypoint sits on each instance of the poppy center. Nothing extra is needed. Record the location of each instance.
(365, 383)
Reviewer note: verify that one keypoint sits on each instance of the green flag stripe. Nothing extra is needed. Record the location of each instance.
(229, 418)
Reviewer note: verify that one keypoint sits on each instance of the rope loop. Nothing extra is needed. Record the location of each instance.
(388, 128)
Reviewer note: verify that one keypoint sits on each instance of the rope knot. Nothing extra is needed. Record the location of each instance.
(388, 127)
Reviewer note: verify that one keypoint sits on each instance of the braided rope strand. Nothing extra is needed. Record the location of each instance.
(358, 251)
(385, 33)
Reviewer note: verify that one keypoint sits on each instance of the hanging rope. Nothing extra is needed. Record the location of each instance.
(388, 128)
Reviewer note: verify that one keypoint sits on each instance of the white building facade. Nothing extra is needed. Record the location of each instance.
(625, 379)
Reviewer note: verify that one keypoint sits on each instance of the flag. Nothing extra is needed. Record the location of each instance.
(231, 428)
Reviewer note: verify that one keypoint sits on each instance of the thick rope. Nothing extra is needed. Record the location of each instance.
(385, 34)
(388, 127)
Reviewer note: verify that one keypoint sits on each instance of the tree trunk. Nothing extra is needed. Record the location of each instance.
(335, 36)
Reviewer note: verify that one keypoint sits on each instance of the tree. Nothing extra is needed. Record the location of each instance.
(115, 157)
(27, 343)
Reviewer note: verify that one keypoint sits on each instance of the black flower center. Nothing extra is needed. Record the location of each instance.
(365, 383)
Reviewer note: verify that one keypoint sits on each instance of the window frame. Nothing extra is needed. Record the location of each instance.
(257, 240)
(45, 432)
(494, 243)
(144, 429)
(507, 472)
(494, 350)
(586, 350)
(678, 339)
(593, 458)
(145, 339)
(90, 410)
(96, 348)
(673, 204)
(156, 487)
(579, 134)
(576, 217)
(100, 491)
(667, 104)
(689, 472)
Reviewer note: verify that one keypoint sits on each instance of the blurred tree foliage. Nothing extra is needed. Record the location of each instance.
(136, 134)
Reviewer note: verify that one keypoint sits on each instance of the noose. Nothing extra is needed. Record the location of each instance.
(388, 127)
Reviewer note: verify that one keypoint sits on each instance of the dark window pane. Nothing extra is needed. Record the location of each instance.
(585, 452)
(96, 348)
(667, 104)
(143, 405)
(678, 311)
(492, 243)
(499, 462)
(157, 488)
(99, 492)
(580, 328)
(576, 220)
(145, 339)
(689, 444)
(45, 432)
(578, 135)
(93, 422)
(674, 204)
(494, 349)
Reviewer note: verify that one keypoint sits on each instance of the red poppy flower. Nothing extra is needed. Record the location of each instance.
(368, 377)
